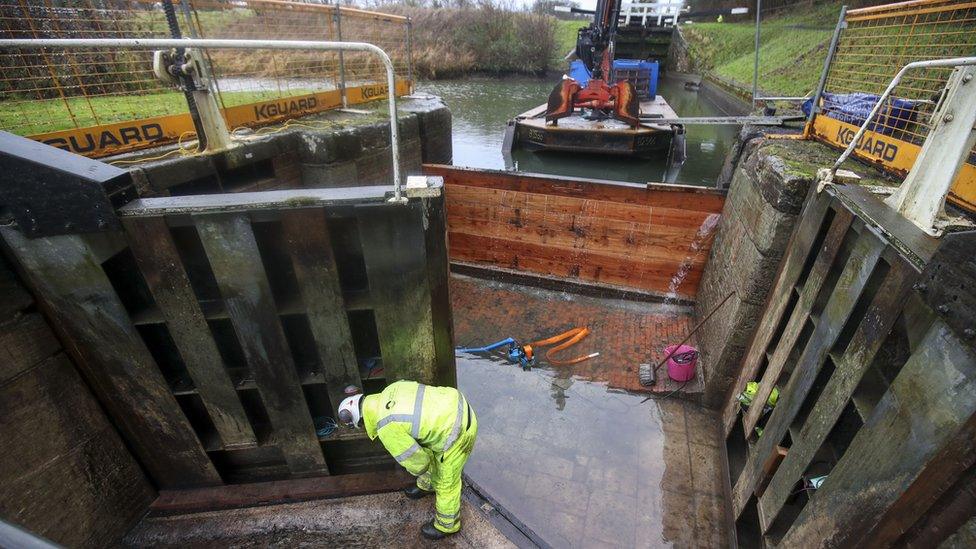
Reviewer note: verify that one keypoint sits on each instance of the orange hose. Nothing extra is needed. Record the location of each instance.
(574, 335)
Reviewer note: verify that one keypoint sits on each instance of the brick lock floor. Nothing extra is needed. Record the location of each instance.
(579, 462)
(625, 333)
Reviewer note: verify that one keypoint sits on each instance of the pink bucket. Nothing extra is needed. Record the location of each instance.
(677, 370)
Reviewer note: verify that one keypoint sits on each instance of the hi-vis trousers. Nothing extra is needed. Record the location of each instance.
(444, 477)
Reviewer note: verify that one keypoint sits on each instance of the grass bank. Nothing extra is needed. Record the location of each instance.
(565, 39)
(791, 54)
(51, 115)
(445, 42)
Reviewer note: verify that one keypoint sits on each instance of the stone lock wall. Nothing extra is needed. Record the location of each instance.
(65, 472)
(767, 187)
(331, 150)
(361, 155)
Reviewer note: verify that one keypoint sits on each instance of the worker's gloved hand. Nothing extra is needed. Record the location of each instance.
(424, 483)
(467, 446)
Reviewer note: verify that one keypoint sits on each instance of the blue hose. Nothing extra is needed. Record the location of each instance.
(486, 348)
(325, 426)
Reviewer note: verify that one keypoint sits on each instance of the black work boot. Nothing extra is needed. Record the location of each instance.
(430, 532)
(415, 492)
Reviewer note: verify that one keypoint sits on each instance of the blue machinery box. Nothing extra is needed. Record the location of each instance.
(643, 74)
(578, 72)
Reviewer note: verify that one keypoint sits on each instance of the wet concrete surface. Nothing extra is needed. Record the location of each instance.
(583, 466)
(381, 520)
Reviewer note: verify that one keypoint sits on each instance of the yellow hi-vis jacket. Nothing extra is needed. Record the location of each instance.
(408, 416)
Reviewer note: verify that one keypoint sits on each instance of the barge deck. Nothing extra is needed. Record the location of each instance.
(579, 134)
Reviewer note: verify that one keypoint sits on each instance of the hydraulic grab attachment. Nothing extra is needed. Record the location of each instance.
(594, 46)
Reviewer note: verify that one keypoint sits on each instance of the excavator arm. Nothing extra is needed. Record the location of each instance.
(594, 46)
(593, 42)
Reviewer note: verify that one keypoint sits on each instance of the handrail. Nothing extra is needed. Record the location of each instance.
(664, 11)
(299, 6)
(892, 7)
(247, 45)
(951, 62)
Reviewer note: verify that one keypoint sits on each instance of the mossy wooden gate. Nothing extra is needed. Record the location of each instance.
(216, 329)
(865, 337)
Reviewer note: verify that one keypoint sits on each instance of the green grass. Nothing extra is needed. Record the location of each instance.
(791, 53)
(566, 39)
(154, 22)
(34, 117)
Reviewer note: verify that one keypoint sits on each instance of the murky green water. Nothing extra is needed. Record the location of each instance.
(481, 108)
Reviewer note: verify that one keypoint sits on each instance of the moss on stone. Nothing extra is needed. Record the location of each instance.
(301, 201)
(802, 159)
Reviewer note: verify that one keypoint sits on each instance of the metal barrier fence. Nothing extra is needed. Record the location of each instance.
(266, 75)
(663, 13)
(51, 90)
(872, 45)
(99, 102)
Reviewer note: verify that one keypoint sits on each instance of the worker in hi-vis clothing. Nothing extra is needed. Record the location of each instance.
(430, 431)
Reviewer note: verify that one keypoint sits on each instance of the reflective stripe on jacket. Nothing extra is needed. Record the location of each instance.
(409, 417)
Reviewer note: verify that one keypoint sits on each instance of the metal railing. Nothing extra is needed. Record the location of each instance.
(921, 196)
(878, 41)
(859, 107)
(48, 91)
(662, 14)
(242, 77)
(883, 99)
(118, 43)
(83, 98)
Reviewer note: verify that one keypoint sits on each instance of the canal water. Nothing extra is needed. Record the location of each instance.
(580, 466)
(481, 108)
(574, 461)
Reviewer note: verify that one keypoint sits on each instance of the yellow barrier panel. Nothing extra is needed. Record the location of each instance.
(107, 139)
(892, 155)
(266, 112)
(110, 139)
(875, 43)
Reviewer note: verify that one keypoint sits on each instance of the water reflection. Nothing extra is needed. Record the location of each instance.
(558, 387)
(481, 108)
(598, 468)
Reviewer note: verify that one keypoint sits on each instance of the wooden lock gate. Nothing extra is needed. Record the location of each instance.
(215, 329)
(864, 336)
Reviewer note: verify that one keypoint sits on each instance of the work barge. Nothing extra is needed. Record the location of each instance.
(577, 134)
(607, 103)
(177, 330)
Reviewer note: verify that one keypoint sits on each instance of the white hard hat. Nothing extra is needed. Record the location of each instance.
(349, 410)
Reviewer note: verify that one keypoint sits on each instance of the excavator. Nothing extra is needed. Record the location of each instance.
(603, 99)
(604, 106)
